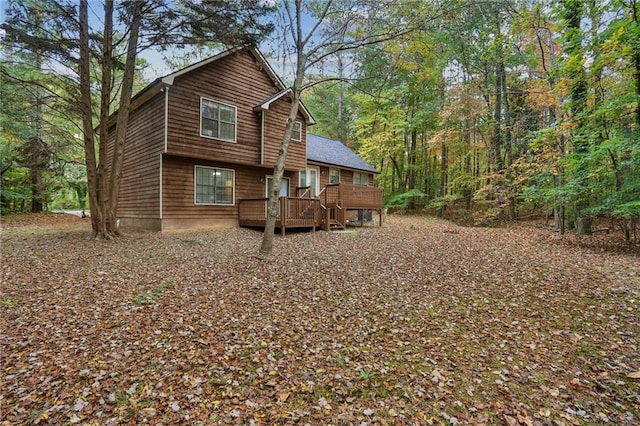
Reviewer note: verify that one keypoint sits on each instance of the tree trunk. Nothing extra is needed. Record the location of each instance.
(278, 171)
(583, 225)
(467, 191)
(104, 173)
(122, 120)
(578, 89)
(38, 157)
(295, 20)
(86, 109)
(411, 166)
(443, 175)
(398, 172)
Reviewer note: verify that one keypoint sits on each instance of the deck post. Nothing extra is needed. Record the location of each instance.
(283, 215)
(327, 218)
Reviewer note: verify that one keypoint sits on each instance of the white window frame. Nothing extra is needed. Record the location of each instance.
(195, 186)
(288, 183)
(332, 170)
(366, 175)
(316, 189)
(297, 124)
(235, 124)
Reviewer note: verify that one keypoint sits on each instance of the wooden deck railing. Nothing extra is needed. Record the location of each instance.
(353, 196)
(298, 212)
(328, 208)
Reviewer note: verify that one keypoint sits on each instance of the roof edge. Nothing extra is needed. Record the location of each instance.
(343, 167)
(267, 103)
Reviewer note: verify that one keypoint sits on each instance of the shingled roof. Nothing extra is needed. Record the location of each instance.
(333, 152)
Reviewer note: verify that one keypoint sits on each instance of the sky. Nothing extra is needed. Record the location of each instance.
(158, 67)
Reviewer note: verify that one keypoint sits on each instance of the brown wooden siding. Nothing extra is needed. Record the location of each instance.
(139, 195)
(235, 80)
(346, 175)
(275, 122)
(178, 184)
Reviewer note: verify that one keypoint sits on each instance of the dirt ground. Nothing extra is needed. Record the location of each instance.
(417, 322)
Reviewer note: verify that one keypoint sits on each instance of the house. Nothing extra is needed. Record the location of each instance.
(201, 146)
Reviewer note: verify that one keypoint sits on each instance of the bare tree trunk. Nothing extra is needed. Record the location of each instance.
(104, 173)
(495, 156)
(278, 171)
(87, 122)
(443, 175)
(411, 166)
(122, 119)
(295, 21)
(467, 190)
(38, 160)
(399, 173)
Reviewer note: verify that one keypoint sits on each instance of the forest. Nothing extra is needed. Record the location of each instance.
(480, 111)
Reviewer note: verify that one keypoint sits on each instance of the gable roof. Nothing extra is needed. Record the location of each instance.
(146, 93)
(265, 104)
(169, 78)
(334, 152)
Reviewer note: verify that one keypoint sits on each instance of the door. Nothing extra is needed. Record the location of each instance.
(311, 177)
(284, 189)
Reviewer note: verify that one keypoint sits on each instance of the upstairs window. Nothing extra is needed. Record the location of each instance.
(361, 179)
(214, 186)
(297, 131)
(217, 120)
(334, 176)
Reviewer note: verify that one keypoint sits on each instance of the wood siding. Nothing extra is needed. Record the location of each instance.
(179, 207)
(275, 122)
(346, 175)
(236, 80)
(139, 195)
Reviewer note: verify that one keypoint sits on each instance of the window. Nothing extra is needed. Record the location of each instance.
(361, 179)
(214, 186)
(334, 176)
(217, 120)
(309, 178)
(297, 131)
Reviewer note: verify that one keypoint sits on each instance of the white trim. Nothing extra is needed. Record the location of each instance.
(339, 174)
(267, 103)
(235, 127)
(168, 79)
(306, 171)
(161, 186)
(266, 185)
(195, 184)
(262, 113)
(294, 129)
(360, 173)
(166, 117)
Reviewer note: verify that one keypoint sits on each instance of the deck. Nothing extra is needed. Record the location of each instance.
(327, 211)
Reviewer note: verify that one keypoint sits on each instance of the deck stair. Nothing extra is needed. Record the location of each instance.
(327, 210)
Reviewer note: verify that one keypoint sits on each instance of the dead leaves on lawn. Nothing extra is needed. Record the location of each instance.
(418, 322)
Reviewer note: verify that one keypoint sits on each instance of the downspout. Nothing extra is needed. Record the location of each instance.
(262, 113)
(166, 117)
(166, 137)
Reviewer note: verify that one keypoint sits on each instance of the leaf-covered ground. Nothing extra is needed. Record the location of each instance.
(417, 322)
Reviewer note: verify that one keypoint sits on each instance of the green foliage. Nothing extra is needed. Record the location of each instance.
(407, 200)
(366, 374)
(8, 302)
(146, 298)
(446, 201)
